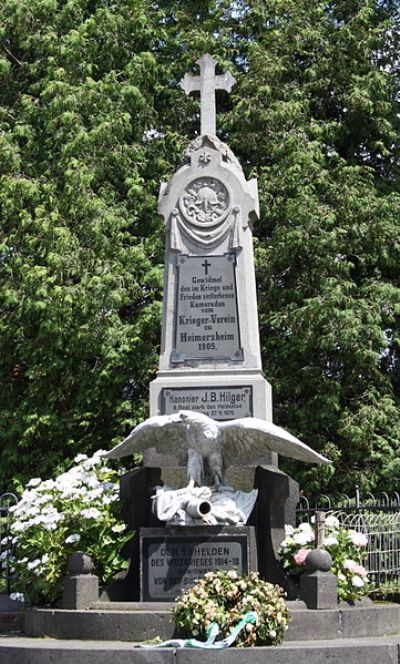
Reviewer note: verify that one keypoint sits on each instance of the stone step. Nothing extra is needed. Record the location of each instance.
(23, 650)
(131, 622)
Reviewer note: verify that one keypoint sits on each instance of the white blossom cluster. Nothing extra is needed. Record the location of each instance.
(53, 518)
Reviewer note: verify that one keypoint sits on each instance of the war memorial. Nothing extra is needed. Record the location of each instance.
(197, 505)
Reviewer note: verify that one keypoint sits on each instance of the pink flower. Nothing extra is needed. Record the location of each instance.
(300, 557)
(354, 567)
(359, 539)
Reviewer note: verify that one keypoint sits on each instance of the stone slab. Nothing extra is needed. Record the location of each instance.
(224, 403)
(206, 324)
(382, 618)
(22, 650)
(318, 653)
(99, 625)
(318, 589)
(172, 558)
(40, 651)
(306, 625)
(132, 606)
(130, 624)
(213, 393)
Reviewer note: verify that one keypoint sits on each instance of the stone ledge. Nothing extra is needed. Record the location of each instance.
(22, 650)
(139, 625)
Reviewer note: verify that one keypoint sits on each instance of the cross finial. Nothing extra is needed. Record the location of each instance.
(207, 83)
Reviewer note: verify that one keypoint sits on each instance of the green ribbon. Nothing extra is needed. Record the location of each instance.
(212, 632)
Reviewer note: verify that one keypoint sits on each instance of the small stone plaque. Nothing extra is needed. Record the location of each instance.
(206, 311)
(220, 403)
(171, 561)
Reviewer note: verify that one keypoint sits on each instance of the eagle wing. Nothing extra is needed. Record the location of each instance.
(251, 437)
(164, 432)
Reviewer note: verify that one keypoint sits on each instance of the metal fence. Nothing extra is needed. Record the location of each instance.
(6, 501)
(378, 517)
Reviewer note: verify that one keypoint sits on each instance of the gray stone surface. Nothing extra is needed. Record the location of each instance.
(383, 619)
(318, 589)
(80, 591)
(11, 622)
(39, 651)
(321, 653)
(207, 83)
(306, 625)
(99, 625)
(276, 505)
(384, 650)
(172, 558)
(130, 624)
(318, 559)
(80, 563)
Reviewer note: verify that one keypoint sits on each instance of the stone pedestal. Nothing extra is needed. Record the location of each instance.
(275, 506)
(81, 587)
(319, 590)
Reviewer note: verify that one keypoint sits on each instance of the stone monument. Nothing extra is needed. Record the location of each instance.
(210, 363)
(210, 351)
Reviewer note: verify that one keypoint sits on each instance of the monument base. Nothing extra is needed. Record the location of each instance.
(275, 507)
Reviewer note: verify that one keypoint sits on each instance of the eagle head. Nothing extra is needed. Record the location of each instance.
(199, 422)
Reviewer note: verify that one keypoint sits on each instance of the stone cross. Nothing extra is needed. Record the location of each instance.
(208, 82)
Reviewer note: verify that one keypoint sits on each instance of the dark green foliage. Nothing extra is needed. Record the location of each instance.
(314, 115)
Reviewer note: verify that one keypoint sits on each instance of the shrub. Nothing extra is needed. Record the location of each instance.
(346, 547)
(78, 511)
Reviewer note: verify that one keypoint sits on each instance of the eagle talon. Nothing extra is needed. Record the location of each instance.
(223, 488)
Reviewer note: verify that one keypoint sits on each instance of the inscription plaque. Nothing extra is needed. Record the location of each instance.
(220, 403)
(206, 311)
(172, 562)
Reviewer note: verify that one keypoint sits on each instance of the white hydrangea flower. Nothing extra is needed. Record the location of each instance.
(32, 564)
(118, 528)
(18, 597)
(93, 494)
(80, 457)
(332, 521)
(359, 539)
(305, 527)
(303, 538)
(330, 541)
(357, 581)
(91, 513)
(34, 482)
(71, 539)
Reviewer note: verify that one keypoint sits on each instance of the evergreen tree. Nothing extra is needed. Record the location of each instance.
(91, 119)
(81, 245)
(320, 105)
